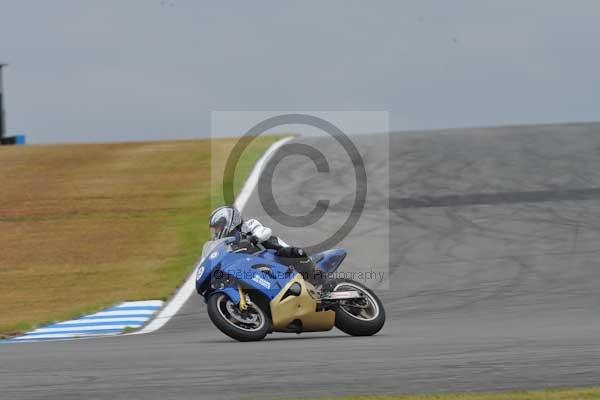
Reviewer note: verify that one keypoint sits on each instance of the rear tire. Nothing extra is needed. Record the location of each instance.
(229, 319)
(354, 320)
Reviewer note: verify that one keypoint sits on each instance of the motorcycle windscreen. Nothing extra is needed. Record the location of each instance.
(205, 265)
(210, 245)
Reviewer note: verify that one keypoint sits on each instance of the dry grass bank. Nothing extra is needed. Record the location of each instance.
(86, 226)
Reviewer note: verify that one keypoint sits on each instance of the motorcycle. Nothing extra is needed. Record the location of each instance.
(250, 293)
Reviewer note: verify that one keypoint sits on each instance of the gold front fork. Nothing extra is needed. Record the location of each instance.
(243, 305)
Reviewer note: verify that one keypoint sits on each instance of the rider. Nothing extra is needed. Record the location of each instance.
(227, 222)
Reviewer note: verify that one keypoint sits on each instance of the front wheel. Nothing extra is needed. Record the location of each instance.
(358, 317)
(249, 325)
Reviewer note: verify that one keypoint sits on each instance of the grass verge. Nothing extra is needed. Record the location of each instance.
(555, 394)
(83, 227)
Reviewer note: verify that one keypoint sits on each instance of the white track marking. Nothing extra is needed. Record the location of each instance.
(185, 291)
(123, 313)
(86, 321)
(95, 328)
(252, 181)
(61, 336)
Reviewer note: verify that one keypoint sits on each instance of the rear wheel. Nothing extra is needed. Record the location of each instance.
(249, 325)
(358, 317)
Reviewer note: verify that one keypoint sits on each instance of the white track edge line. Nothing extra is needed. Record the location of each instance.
(185, 291)
(85, 327)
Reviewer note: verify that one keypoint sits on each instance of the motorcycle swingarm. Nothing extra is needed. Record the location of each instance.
(345, 295)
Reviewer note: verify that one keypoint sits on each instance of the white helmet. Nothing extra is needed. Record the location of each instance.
(223, 222)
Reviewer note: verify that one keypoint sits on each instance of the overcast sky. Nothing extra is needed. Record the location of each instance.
(136, 70)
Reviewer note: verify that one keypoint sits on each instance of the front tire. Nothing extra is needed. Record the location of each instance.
(250, 325)
(363, 317)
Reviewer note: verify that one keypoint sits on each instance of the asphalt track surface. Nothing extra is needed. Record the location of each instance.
(488, 240)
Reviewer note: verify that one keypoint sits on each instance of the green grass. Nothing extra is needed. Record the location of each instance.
(558, 394)
(83, 227)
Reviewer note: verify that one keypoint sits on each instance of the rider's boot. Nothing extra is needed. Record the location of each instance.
(303, 264)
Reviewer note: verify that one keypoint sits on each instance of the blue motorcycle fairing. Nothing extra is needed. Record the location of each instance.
(230, 292)
(329, 261)
(213, 252)
(252, 271)
(259, 271)
(255, 272)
